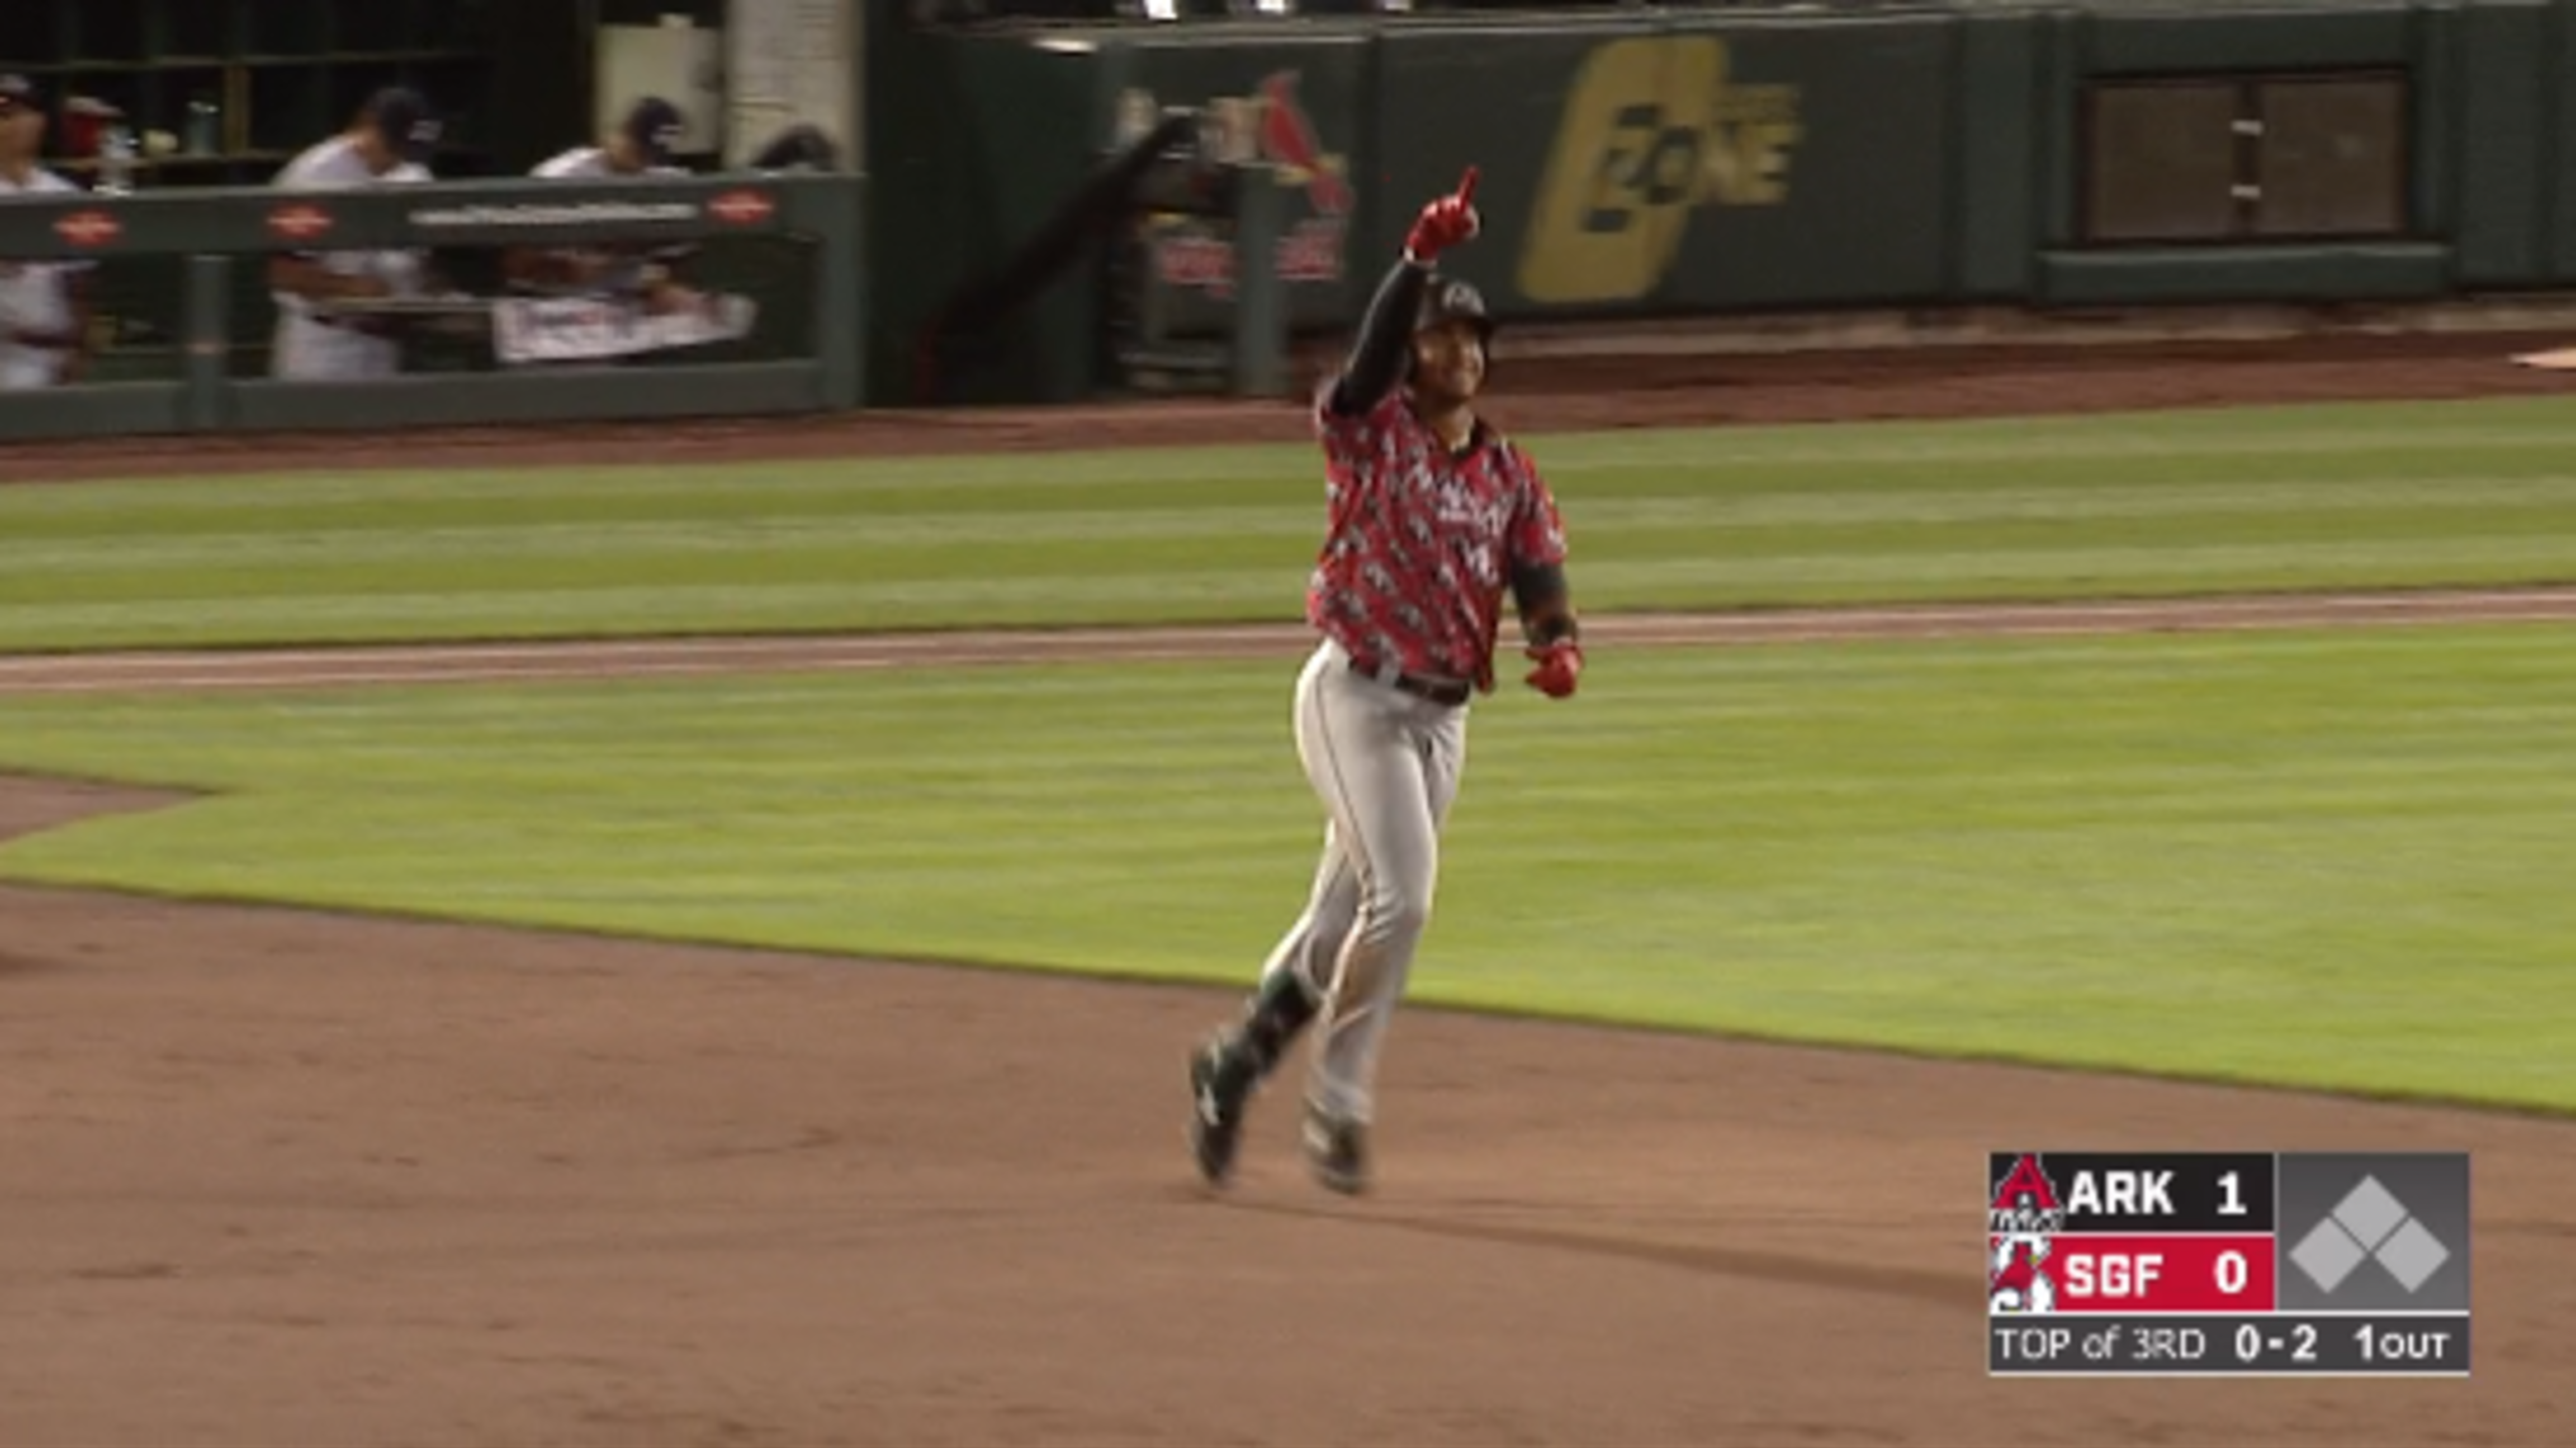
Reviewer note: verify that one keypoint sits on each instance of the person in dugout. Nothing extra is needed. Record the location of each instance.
(390, 141)
(44, 305)
(640, 145)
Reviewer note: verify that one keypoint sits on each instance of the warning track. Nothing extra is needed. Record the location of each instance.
(356, 666)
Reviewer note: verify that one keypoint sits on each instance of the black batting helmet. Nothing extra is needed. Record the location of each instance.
(1450, 299)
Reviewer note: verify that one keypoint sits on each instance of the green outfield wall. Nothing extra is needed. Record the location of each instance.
(1675, 162)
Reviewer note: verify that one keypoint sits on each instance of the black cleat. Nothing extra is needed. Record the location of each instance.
(1336, 1151)
(1221, 1083)
(1230, 1067)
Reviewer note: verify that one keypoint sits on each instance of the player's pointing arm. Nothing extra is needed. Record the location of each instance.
(1376, 362)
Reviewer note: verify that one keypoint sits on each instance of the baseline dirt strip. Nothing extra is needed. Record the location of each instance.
(301, 668)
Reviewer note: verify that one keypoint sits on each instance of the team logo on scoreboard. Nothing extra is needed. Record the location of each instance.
(2026, 1200)
(2022, 1219)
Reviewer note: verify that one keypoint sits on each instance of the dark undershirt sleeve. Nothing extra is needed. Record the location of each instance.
(1377, 358)
(1536, 586)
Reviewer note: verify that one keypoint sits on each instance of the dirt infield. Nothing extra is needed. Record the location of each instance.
(286, 1176)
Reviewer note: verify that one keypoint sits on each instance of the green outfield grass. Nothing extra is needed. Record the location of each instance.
(2380, 495)
(2333, 859)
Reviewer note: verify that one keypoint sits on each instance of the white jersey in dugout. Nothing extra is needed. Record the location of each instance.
(35, 296)
(307, 348)
(591, 161)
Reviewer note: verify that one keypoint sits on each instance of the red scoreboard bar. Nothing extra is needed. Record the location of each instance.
(2163, 1272)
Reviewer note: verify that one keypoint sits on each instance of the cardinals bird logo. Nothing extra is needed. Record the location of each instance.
(1272, 122)
(1288, 141)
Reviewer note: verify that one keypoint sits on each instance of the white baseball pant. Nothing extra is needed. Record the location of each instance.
(1386, 765)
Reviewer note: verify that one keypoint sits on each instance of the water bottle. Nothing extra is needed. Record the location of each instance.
(204, 118)
(116, 163)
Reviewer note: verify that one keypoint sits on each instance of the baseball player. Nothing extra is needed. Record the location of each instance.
(641, 145)
(44, 305)
(390, 142)
(1432, 515)
(801, 147)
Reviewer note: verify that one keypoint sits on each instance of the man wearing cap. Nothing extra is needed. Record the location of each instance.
(389, 142)
(44, 305)
(641, 145)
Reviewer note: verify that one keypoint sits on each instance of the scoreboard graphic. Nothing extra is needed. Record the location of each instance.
(2243, 1264)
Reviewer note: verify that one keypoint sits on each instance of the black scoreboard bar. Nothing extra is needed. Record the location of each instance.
(2242, 1344)
(2157, 1191)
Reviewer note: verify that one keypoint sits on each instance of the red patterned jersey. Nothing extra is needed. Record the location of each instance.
(1421, 542)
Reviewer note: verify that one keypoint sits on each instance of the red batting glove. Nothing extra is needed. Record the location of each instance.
(1445, 222)
(1559, 665)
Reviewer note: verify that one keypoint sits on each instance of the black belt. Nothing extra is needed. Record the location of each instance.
(1449, 693)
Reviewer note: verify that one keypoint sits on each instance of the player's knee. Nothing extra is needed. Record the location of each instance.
(1393, 915)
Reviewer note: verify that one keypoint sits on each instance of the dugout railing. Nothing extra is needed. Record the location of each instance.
(788, 245)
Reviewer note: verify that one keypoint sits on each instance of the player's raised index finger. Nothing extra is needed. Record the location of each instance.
(1467, 185)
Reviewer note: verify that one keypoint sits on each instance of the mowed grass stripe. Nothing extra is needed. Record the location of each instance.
(2414, 432)
(2329, 858)
(2180, 504)
(1076, 483)
(2283, 505)
(1161, 591)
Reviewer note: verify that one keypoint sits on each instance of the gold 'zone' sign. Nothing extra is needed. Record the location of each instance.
(1653, 129)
